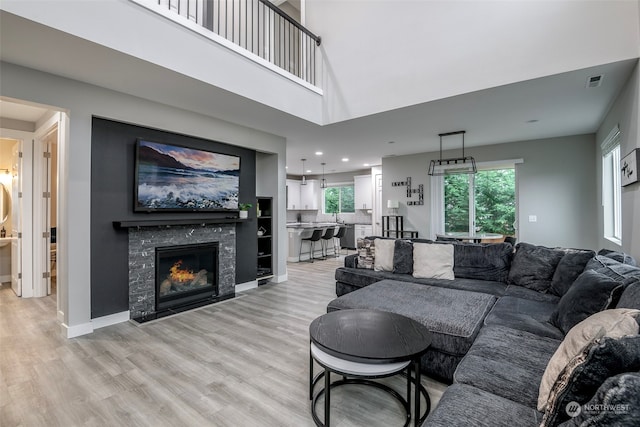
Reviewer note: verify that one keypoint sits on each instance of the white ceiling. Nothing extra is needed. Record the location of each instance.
(561, 104)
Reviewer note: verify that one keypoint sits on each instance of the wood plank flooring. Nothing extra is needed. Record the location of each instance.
(243, 362)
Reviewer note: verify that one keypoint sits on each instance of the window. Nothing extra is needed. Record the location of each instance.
(338, 199)
(611, 192)
(484, 202)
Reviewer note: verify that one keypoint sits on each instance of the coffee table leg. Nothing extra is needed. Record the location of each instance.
(327, 397)
(409, 384)
(416, 390)
(310, 375)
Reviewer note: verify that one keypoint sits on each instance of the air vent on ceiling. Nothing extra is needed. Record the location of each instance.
(594, 81)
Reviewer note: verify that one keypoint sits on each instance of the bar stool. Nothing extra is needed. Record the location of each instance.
(315, 236)
(337, 246)
(328, 235)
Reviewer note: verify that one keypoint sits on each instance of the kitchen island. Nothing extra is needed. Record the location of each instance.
(300, 230)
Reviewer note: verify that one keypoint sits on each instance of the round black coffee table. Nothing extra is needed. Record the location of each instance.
(361, 345)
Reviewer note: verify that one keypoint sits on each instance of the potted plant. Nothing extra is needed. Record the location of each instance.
(244, 209)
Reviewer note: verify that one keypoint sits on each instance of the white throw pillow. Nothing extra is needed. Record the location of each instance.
(433, 261)
(384, 254)
(614, 323)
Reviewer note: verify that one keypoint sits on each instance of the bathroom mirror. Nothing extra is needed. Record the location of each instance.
(5, 203)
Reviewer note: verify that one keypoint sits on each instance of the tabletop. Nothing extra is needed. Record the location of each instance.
(370, 336)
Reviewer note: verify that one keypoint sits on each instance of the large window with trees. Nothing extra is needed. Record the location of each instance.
(338, 199)
(483, 202)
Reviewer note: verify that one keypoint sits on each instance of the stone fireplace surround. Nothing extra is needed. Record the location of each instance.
(143, 242)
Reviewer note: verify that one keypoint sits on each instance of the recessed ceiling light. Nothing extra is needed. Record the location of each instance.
(319, 153)
(308, 170)
(366, 164)
(345, 159)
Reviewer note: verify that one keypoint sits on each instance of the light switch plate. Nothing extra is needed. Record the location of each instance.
(533, 218)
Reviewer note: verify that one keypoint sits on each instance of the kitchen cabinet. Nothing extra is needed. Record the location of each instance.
(293, 194)
(310, 195)
(363, 192)
(360, 232)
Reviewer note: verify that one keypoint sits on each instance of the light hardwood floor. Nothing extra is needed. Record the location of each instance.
(243, 362)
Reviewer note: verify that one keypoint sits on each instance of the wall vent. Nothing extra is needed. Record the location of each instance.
(594, 81)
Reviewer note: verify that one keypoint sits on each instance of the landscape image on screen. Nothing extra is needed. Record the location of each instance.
(170, 177)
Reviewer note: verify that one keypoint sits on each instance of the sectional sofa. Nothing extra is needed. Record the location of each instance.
(519, 333)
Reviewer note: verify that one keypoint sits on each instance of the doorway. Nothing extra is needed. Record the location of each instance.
(29, 144)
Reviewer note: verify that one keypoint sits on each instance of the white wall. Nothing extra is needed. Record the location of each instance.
(381, 54)
(556, 183)
(626, 113)
(82, 101)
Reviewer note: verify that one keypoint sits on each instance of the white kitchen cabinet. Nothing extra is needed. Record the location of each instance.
(360, 232)
(293, 194)
(310, 195)
(363, 192)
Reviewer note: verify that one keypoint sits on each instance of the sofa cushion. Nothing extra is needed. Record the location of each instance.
(433, 261)
(612, 268)
(366, 253)
(360, 278)
(525, 315)
(403, 257)
(453, 316)
(520, 292)
(618, 256)
(580, 380)
(484, 261)
(619, 395)
(592, 292)
(611, 323)
(630, 297)
(569, 268)
(383, 260)
(462, 405)
(506, 362)
(533, 266)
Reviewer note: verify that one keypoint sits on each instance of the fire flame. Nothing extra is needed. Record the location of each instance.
(178, 275)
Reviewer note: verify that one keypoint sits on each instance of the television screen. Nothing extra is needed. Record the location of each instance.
(174, 178)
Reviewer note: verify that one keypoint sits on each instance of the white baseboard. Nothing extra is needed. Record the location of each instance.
(60, 316)
(111, 319)
(280, 278)
(5, 279)
(77, 330)
(241, 287)
(97, 323)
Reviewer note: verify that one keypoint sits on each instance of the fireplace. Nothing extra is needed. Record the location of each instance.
(186, 275)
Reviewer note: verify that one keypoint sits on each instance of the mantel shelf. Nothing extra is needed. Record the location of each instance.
(173, 222)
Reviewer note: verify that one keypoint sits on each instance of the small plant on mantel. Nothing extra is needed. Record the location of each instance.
(244, 209)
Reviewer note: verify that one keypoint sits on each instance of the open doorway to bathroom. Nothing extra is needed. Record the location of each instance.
(30, 137)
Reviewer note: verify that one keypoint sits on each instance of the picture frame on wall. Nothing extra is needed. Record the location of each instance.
(629, 168)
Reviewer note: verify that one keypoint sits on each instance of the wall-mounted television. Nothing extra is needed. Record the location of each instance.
(174, 178)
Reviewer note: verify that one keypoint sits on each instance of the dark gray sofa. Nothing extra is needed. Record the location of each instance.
(497, 371)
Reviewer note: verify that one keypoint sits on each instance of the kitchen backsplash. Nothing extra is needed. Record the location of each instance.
(360, 217)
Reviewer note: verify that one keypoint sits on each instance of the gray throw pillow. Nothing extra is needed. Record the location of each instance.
(591, 292)
(630, 297)
(483, 261)
(582, 377)
(618, 256)
(403, 257)
(616, 403)
(569, 268)
(533, 266)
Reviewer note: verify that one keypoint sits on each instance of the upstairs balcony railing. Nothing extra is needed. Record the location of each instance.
(257, 26)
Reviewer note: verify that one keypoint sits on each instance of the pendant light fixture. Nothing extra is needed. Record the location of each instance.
(455, 165)
(323, 183)
(304, 179)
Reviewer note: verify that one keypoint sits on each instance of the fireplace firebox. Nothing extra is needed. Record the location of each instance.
(186, 275)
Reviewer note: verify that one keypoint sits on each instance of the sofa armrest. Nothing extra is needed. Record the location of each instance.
(351, 261)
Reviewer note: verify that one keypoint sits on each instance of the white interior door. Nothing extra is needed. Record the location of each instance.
(16, 222)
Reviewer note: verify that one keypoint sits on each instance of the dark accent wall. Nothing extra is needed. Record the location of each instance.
(112, 186)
